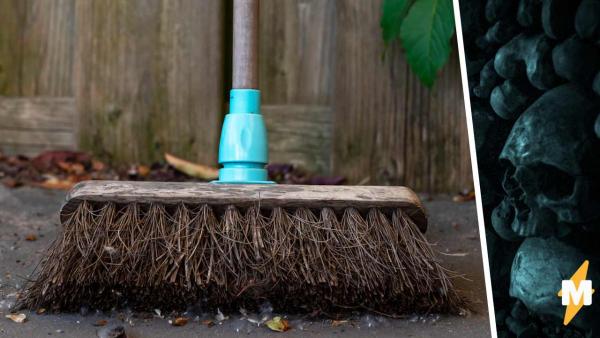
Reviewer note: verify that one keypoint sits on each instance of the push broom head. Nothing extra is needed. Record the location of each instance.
(303, 248)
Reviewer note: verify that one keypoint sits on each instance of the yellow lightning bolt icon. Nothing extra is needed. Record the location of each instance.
(577, 277)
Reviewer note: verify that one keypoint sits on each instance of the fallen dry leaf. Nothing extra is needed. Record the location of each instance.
(40, 311)
(335, 323)
(97, 165)
(53, 182)
(71, 168)
(179, 321)
(143, 170)
(278, 324)
(48, 160)
(101, 322)
(464, 196)
(192, 169)
(30, 237)
(17, 318)
(208, 323)
(10, 182)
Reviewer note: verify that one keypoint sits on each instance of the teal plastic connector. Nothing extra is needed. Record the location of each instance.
(243, 149)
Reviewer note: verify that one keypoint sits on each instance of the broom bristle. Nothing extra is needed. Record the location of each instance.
(153, 255)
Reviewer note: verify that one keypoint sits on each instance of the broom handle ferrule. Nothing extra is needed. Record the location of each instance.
(245, 44)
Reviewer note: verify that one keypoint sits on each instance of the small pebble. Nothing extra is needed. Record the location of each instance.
(112, 332)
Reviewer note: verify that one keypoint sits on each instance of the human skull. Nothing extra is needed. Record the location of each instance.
(552, 156)
(538, 269)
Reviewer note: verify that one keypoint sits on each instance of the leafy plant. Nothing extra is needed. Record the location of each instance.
(424, 28)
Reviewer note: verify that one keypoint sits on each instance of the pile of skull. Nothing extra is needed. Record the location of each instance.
(534, 81)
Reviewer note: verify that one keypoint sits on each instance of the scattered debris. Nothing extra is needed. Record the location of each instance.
(455, 254)
(98, 166)
(63, 169)
(336, 323)
(136, 172)
(53, 182)
(157, 311)
(111, 251)
(370, 321)
(49, 160)
(101, 322)
(40, 311)
(17, 318)
(143, 170)
(290, 174)
(220, 316)
(117, 331)
(71, 168)
(464, 196)
(278, 324)
(257, 322)
(31, 237)
(208, 322)
(179, 321)
(10, 182)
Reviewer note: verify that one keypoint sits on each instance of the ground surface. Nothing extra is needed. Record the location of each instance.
(27, 211)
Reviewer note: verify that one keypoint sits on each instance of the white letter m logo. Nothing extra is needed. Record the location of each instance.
(572, 295)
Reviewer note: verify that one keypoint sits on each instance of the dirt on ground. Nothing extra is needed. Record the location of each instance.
(29, 222)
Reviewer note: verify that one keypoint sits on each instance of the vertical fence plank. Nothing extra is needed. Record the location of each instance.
(192, 47)
(149, 78)
(388, 128)
(365, 100)
(48, 48)
(296, 68)
(12, 17)
(296, 50)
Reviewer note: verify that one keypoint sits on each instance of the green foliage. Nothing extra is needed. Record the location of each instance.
(393, 13)
(424, 28)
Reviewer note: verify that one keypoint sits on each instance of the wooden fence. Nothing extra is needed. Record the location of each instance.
(141, 77)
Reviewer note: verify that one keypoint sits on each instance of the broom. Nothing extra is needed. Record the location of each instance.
(242, 240)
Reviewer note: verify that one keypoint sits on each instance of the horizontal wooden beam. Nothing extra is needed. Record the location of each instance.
(37, 113)
(30, 125)
(300, 135)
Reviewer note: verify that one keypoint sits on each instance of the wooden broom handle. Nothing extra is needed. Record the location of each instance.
(245, 44)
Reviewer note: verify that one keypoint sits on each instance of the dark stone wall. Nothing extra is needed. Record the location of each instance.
(534, 83)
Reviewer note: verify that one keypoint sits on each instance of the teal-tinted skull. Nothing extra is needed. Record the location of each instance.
(552, 156)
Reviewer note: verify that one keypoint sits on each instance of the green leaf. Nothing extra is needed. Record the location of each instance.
(425, 35)
(392, 14)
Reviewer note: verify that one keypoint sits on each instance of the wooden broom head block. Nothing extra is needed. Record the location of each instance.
(267, 196)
